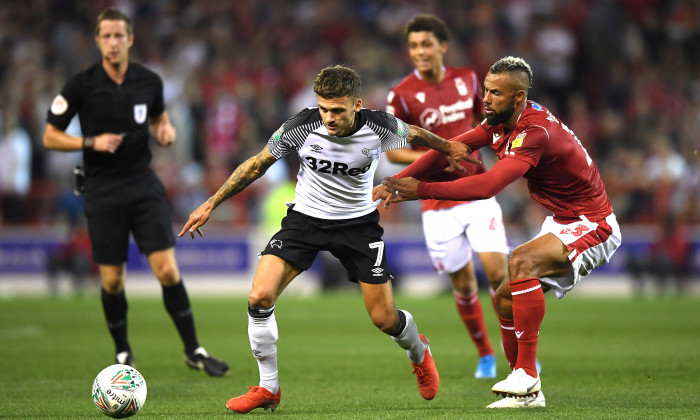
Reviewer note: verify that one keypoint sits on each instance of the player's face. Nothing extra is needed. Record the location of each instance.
(114, 41)
(338, 114)
(426, 51)
(499, 98)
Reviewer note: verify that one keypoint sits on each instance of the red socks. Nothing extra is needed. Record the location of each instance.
(528, 312)
(510, 343)
(472, 315)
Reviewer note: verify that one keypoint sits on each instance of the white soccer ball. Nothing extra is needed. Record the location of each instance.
(119, 391)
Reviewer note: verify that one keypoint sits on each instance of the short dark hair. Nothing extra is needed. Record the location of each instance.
(113, 14)
(337, 81)
(429, 23)
(512, 64)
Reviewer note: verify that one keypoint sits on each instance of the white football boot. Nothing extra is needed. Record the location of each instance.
(520, 401)
(518, 383)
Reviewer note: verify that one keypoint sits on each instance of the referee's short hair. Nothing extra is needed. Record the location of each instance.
(113, 14)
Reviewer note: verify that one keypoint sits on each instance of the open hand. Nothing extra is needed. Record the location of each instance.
(404, 189)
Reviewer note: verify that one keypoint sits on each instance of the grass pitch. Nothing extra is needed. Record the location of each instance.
(601, 359)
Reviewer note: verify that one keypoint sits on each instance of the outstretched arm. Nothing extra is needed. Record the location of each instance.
(476, 187)
(454, 151)
(242, 176)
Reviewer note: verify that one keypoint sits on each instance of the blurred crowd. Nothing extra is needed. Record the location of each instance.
(624, 75)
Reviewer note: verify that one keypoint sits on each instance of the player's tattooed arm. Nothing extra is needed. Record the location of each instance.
(242, 176)
(453, 151)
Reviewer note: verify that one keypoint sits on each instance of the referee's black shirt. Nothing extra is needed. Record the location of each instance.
(106, 107)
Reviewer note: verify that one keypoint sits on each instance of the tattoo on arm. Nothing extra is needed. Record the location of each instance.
(421, 137)
(244, 175)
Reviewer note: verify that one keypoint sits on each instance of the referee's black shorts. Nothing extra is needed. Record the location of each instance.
(142, 211)
(357, 243)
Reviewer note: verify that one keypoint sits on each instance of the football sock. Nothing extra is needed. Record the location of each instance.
(401, 325)
(178, 306)
(510, 342)
(409, 340)
(528, 312)
(472, 315)
(115, 308)
(263, 335)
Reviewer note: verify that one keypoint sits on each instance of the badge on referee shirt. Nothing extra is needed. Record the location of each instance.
(140, 113)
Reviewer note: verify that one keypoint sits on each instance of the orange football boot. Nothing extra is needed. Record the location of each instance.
(257, 397)
(427, 373)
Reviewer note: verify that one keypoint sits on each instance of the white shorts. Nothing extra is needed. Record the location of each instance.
(451, 235)
(591, 245)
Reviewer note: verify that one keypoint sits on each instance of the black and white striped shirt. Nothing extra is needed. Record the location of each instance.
(336, 174)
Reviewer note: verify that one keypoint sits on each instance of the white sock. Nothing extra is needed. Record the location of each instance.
(262, 333)
(409, 340)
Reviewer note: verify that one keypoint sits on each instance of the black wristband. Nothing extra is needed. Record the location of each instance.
(88, 142)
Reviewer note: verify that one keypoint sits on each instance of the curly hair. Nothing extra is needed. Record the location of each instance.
(430, 23)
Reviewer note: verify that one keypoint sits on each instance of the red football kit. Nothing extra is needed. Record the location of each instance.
(446, 109)
(560, 174)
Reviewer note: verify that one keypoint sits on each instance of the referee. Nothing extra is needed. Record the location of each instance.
(119, 103)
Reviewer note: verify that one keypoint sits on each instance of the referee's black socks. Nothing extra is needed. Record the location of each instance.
(178, 306)
(115, 308)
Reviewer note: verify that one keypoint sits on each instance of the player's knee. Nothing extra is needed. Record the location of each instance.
(260, 299)
(168, 275)
(504, 302)
(520, 265)
(112, 284)
(496, 276)
(384, 321)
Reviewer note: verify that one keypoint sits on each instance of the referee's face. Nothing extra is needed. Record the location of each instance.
(114, 41)
(338, 114)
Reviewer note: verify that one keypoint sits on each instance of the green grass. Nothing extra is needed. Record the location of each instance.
(602, 359)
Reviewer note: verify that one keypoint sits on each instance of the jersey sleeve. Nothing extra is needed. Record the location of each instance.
(158, 106)
(529, 145)
(392, 131)
(292, 134)
(66, 104)
(476, 187)
(475, 138)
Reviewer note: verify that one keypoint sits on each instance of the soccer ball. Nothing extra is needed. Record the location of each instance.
(119, 391)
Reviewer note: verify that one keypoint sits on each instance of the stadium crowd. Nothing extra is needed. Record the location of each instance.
(624, 75)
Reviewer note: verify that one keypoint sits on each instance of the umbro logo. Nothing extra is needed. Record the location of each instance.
(276, 243)
(519, 333)
(316, 148)
(378, 271)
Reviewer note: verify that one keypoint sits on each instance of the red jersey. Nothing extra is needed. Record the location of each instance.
(562, 177)
(446, 109)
